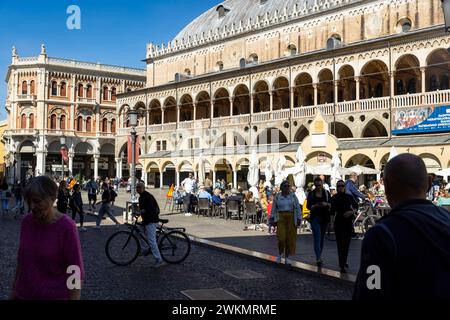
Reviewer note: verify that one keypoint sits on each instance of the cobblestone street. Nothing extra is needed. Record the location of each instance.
(204, 269)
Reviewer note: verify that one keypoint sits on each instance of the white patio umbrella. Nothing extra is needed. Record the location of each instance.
(443, 173)
(253, 170)
(393, 153)
(363, 170)
(280, 173)
(268, 172)
(335, 166)
(299, 173)
(201, 170)
(326, 170)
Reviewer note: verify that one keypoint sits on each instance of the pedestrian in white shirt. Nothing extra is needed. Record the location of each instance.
(188, 186)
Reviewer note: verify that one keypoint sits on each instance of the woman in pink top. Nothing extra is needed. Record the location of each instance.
(49, 262)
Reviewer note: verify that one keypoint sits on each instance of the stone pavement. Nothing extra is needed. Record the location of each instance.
(205, 268)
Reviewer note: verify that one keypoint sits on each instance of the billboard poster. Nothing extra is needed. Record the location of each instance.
(421, 120)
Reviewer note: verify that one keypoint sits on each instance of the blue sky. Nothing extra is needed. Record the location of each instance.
(112, 32)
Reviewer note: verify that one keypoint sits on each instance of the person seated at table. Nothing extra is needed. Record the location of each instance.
(241, 193)
(250, 198)
(234, 197)
(216, 198)
(177, 196)
(203, 194)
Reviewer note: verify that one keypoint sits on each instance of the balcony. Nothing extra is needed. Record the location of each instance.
(20, 132)
(26, 98)
(88, 101)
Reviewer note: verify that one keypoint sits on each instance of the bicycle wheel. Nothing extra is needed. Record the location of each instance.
(369, 222)
(123, 248)
(174, 247)
(329, 234)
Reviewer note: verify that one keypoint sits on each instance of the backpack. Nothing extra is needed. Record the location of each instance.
(113, 194)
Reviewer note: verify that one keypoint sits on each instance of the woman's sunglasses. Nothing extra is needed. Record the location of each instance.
(341, 186)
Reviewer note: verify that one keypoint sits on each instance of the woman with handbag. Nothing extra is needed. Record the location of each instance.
(343, 206)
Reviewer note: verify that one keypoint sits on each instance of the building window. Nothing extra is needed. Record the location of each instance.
(88, 124)
(54, 88)
(23, 122)
(89, 91)
(113, 125)
(32, 87)
(105, 125)
(62, 122)
(334, 41)
(24, 87)
(292, 49)
(194, 143)
(220, 66)
(253, 58)
(222, 11)
(105, 93)
(113, 94)
(164, 145)
(161, 145)
(53, 121)
(404, 25)
(31, 121)
(158, 145)
(80, 90)
(128, 89)
(62, 91)
(187, 72)
(80, 123)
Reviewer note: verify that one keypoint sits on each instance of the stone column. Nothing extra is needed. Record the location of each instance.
(214, 177)
(118, 173)
(212, 110)
(357, 81)
(336, 91)
(96, 158)
(178, 116)
(292, 99)
(177, 178)
(40, 163)
(423, 80)
(195, 112)
(231, 106)
(162, 115)
(144, 176)
(120, 168)
(71, 156)
(315, 94)
(161, 176)
(392, 84)
(235, 179)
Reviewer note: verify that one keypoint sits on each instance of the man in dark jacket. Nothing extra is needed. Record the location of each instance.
(150, 218)
(407, 254)
(352, 189)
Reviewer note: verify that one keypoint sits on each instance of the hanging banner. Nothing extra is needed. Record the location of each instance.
(129, 152)
(421, 120)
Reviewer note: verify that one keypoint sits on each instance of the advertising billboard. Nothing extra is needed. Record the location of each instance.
(421, 120)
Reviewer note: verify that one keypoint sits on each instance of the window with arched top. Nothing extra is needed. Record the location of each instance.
(80, 123)
(335, 41)
(89, 91)
(24, 87)
(63, 90)
(113, 125)
(105, 125)
(253, 58)
(32, 88)
(88, 124)
(128, 89)
(23, 121)
(54, 88)
(80, 90)
(187, 72)
(220, 65)
(31, 121)
(62, 122)
(113, 94)
(292, 49)
(53, 121)
(105, 94)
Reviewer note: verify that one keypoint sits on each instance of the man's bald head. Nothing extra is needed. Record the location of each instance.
(406, 178)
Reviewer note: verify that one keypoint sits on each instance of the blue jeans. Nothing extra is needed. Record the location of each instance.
(151, 236)
(105, 208)
(318, 228)
(5, 203)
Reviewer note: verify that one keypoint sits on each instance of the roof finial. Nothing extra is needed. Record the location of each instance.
(14, 51)
(43, 51)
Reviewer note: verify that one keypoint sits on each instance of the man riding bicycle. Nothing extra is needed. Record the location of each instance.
(149, 210)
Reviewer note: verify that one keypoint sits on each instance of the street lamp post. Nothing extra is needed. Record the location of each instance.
(446, 9)
(133, 117)
(63, 147)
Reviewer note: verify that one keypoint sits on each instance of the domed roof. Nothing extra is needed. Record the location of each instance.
(236, 11)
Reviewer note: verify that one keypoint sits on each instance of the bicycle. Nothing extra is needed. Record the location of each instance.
(367, 216)
(124, 247)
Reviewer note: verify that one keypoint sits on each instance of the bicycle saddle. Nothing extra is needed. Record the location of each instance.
(164, 221)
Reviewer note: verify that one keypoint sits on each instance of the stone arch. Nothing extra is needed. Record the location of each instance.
(262, 97)
(301, 134)
(365, 161)
(203, 100)
(241, 103)
(221, 103)
(186, 107)
(342, 130)
(107, 149)
(152, 167)
(170, 110)
(325, 88)
(315, 157)
(155, 112)
(438, 70)
(407, 74)
(168, 172)
(303, 90)
(432, 162)
(27, 146)
(374, 129)
(374, 80)
(54, 147)
(271, 136)
(84, 148)
(346, 84)
(185, 166)
(281, 93)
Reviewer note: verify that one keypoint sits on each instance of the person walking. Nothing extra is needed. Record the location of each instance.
(106, 206)
(343, 207)
(19, 206)
(92, 188)
(188, 185)
(318, 202)
(5, 197)
(63, 197)
(406, 255)
(286, 217)
(49, 245)
(149, 209)
(76, 205)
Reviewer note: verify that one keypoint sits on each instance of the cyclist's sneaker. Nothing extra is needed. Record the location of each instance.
(278, 259)
(319, 263)
(188, 214)
(159, 264)
(288, 261)
(83, 229)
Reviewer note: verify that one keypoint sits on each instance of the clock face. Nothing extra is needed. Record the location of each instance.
(373, 25)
